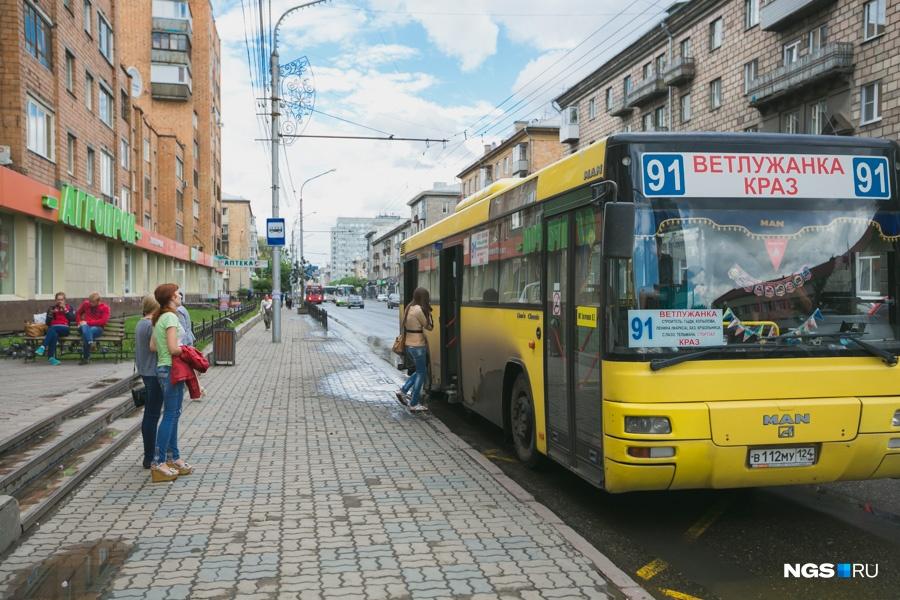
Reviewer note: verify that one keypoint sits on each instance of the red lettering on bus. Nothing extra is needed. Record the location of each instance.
(792, 166)
(748, 186)
(715, 164)
(700, 164)
(730, 160)
(758, 162)
(777, 187)
(822, 165)
(836, 167)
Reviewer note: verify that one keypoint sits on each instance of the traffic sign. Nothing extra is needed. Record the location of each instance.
(275, 232)
(243, 263)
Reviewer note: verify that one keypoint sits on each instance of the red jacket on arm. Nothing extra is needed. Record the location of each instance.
(184, 366)
(95, 316)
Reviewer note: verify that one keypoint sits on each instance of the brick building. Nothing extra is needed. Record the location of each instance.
(385, 267)
(531, 147)
(793, 66)
(79, 206)
(239, 239)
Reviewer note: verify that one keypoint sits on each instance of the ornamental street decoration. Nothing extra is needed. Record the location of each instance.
(298, 97)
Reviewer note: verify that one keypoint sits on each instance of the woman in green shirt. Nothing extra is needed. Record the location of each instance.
(165, 341)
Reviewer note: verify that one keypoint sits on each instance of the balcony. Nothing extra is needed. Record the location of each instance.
(828, 61)
(520, 167)
(778, 15)
(172, 16)
(620, 108)
(680, 71)
(172, 57)
(646, 90)
(170, 82)
(568, 132)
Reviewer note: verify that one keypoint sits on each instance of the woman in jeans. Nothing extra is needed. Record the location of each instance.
(416, 320)
(58, 318)
(145, 361)
(167, 332)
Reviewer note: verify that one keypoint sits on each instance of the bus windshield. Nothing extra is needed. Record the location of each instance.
(762, 271)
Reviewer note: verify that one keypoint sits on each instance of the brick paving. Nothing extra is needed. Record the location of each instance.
(312, 482)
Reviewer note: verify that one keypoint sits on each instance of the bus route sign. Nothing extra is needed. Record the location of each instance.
(756, 175)
(675, 328)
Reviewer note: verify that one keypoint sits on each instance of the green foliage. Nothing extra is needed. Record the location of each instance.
(357, 282)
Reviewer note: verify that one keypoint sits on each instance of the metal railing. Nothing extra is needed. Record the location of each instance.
(826, 61)
(203, 331)
(319, 314)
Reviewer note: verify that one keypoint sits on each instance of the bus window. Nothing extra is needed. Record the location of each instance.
(520, 258)
(480, 280)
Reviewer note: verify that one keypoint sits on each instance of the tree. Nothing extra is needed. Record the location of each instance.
(263, 277)
(357, 282)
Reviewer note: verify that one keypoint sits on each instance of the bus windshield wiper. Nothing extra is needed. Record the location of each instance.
(662, 363)
(889, 358)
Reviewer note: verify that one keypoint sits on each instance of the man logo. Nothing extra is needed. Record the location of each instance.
(795, 419)
(786, 431)
(830, 570)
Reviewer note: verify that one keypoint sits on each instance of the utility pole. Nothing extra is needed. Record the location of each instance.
(276, 141)
(302, 266)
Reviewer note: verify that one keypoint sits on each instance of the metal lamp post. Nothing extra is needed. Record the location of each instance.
(276, 141)
(302, 269)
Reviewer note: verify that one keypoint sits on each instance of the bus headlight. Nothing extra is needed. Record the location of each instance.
(896, 420)
(654, 425)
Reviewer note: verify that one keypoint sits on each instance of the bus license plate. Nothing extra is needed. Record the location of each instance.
(762, 458)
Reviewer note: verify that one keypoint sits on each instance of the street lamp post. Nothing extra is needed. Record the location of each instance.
(302, 185)
(276, 140)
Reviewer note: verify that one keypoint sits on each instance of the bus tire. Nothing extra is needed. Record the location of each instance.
(521, 423)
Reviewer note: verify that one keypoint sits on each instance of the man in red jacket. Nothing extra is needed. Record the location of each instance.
(91, 317)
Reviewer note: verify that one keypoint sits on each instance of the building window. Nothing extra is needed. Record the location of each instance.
(445, 208)
(179, 169)
(107, 174)
(147, 224)
(686, 48)
(716, 31)
(125, 199)
(660, 118)
(817, 38)
(7, 242)
(751, 13)
(817, 115)
(124, 105)
(70, 71)
(37, 35)
(660, 65)
(196, 150)
(129, 271)
(195, 119)
(124, 153)
(874, 19)
(791, 52)
(609, 98)
(111, 250)
(90, 166)
(179, 200)
(179, 233)
(626, 85)
(40, 129)
(146, 186)
(170, 41)
(750, 70)
(146, 150)
(89, 91)
(868, 279)
(105, 33)
(70, 154)
(647, 70)
(790, 121)
(686, 108)
(870, 103)
(751, 129)
(43, 255)
(86, 16)
(592, 108)
(715, 93)
(105, 105)
(196, 179)
(647, 122)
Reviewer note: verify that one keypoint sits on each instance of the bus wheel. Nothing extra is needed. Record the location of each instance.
(521, 420)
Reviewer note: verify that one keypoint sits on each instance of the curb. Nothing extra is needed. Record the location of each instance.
(614, 575)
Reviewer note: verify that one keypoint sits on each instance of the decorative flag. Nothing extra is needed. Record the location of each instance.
(729, 315)
(735, 322)
(776, 247)
(817, 315)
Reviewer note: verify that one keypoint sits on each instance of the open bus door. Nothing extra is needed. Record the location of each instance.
(572, 317)
(451, 266)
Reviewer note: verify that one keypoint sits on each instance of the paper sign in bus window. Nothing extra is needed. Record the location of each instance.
(675, 328)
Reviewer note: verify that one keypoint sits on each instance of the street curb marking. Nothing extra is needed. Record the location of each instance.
(652, 569)
(708, 518)
(678, 595)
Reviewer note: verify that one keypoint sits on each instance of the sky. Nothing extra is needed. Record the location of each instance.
(460, 71)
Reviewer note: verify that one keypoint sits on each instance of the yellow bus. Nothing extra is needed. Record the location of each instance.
(671, 311)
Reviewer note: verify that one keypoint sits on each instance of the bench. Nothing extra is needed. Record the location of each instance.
(113, 339)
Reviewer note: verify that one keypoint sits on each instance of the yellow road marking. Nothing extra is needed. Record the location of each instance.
(700, 527)
(652, 569)
(678, 595)
(492, 454)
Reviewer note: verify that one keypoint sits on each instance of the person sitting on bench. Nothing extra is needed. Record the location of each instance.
(58, 318)
(92, 317)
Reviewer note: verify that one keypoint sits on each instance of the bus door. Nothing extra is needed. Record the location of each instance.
(572, 306)
(451, 265)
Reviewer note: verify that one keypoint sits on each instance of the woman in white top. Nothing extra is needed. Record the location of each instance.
(416, 320)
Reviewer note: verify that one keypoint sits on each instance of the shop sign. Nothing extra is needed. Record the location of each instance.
(81, 210)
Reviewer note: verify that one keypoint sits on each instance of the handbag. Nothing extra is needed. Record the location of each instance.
(35, 329)
(139, 396)
(399, 347)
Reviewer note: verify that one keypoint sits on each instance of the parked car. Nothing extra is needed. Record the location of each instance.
(382, 297)
(355, 300)
(393, 300)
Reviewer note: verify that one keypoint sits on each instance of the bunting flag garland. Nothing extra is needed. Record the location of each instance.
(729, 315)
(745, 332)
(811, 323)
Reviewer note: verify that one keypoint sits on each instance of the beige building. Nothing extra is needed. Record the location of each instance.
(532, 146)
(385, 265)
(239, 239)
(430, 206)
(793, 66)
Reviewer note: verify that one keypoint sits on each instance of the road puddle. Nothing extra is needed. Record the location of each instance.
(81, 572)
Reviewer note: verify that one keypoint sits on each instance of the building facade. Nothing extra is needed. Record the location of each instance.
(791, 66)
(532, 146)
(239, 240)
(348, 244)
(386, 257)
(430, 206)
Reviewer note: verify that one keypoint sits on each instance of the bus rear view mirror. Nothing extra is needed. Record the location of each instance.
(618, 229)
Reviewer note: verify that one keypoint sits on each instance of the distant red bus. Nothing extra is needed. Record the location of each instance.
(314, 294)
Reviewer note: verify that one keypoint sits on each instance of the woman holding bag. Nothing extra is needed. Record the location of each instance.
(145, 362)
(416, 320)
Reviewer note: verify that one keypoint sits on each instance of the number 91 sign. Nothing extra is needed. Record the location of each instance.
(663, 174)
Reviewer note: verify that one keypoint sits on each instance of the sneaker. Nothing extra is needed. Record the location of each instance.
(53, 361)
(40, 351)
(84, 361)
(402, 398)
(417, 408)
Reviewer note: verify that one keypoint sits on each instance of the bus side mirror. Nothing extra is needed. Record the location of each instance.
(618, 229)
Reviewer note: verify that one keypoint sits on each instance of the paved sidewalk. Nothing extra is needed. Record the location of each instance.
(311, 482)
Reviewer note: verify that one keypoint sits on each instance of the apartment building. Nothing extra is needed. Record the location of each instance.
(239, 239)
(532, 146)
(348, 243)
(386, 267)
(792, 66)
(174, 47)
(73, 211)
(430, 206)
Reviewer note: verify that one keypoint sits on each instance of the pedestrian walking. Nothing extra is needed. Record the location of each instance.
(265, 308)
(167, 332)
(92, 316)
(289, 302)
(416, 320)
(59, 315)
(184, 317)
(145, 362)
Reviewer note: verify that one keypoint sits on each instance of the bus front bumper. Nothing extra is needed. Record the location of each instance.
(703, 464)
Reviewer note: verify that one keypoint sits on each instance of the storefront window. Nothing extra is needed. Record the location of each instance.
(111, 268)
(43, 264)
(129, 272)
(179, 274)
(7, 255)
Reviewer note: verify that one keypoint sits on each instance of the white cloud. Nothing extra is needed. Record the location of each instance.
(373, 56)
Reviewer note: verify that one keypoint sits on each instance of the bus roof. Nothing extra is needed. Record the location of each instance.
(587, 165)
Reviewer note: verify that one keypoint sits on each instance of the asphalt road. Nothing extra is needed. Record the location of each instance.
(727, 544)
